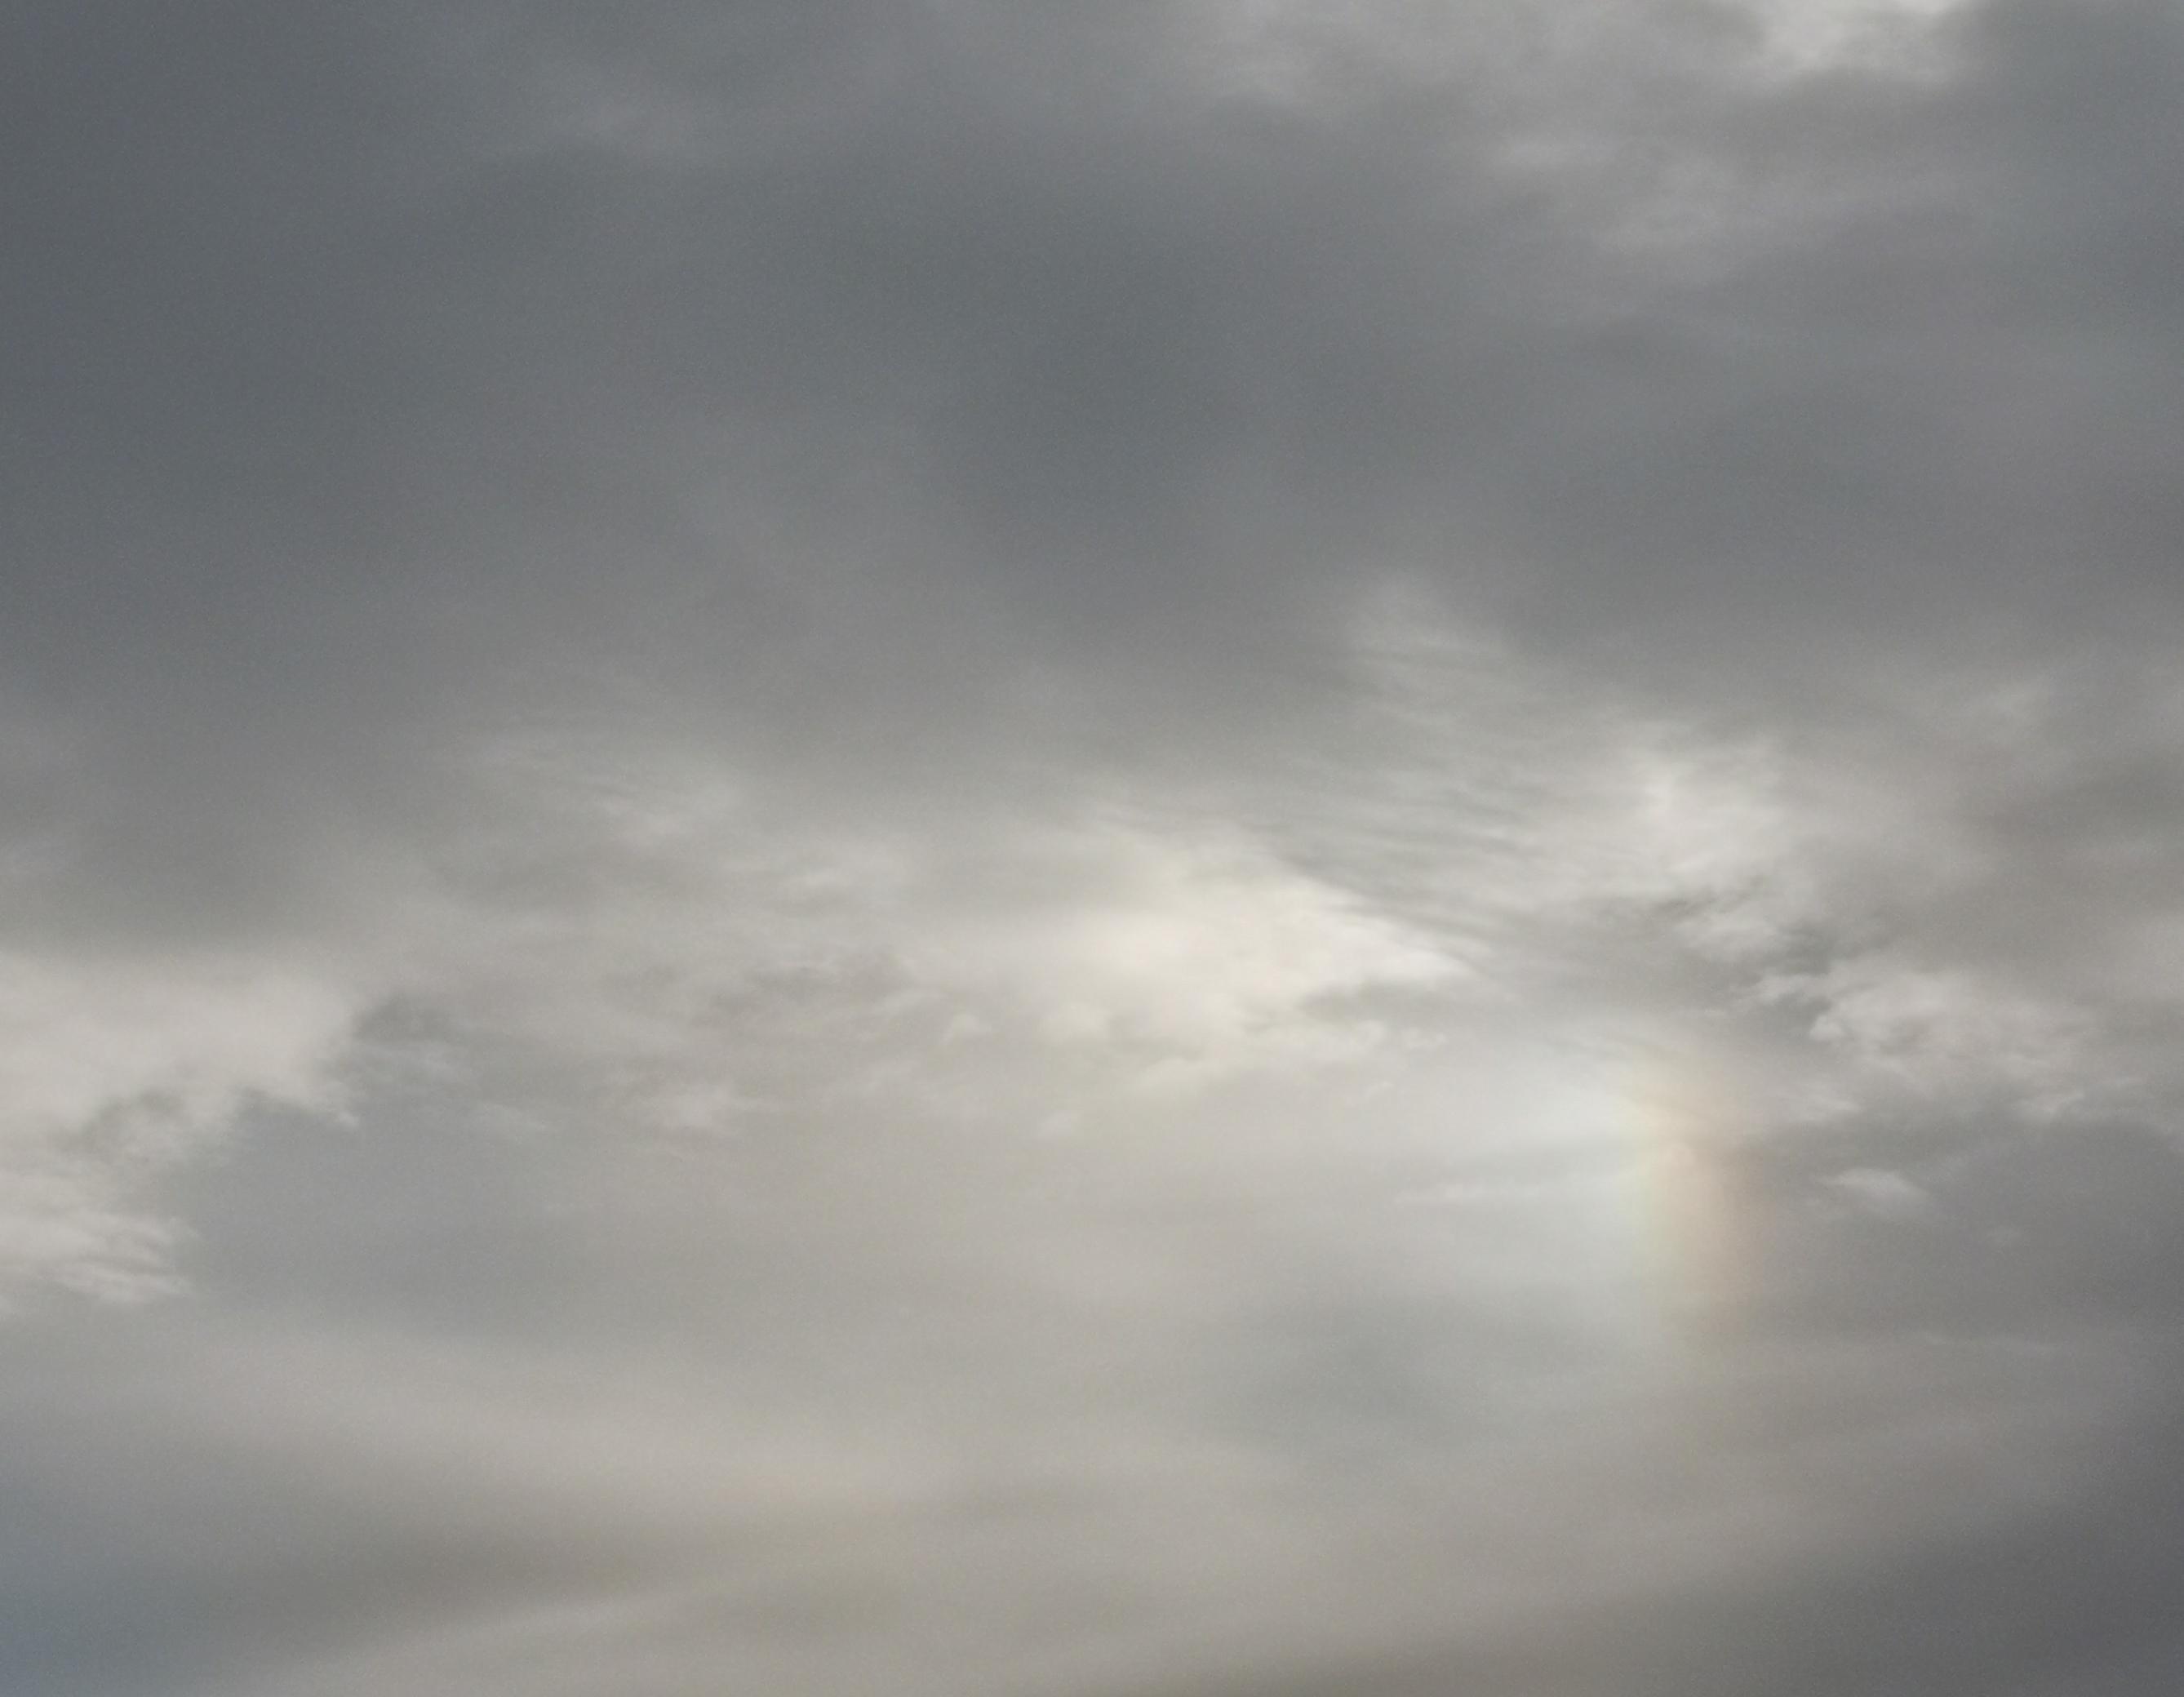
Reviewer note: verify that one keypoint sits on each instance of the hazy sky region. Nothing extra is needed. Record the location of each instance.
(1092, 848)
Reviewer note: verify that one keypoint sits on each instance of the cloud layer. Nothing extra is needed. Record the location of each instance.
(1204, 845)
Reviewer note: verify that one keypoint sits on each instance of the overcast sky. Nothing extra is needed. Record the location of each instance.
(1092, 848)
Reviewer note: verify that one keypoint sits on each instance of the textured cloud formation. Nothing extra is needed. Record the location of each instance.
(1194, 846)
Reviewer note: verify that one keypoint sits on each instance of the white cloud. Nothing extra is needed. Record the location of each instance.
(649, 942)
(113, 1067)
(1883, 1193)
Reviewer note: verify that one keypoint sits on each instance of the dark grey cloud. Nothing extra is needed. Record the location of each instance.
(349, 348)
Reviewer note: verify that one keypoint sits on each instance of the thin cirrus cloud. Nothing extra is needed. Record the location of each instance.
(1190, 846)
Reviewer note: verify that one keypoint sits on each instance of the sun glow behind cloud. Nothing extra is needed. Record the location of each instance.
(1480, 883)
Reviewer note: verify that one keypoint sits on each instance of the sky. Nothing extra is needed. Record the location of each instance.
(1185, 848)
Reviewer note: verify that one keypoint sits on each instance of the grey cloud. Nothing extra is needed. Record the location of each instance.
(1083, 293)
(935, 845)
(411, 337)
(1952, 1491)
